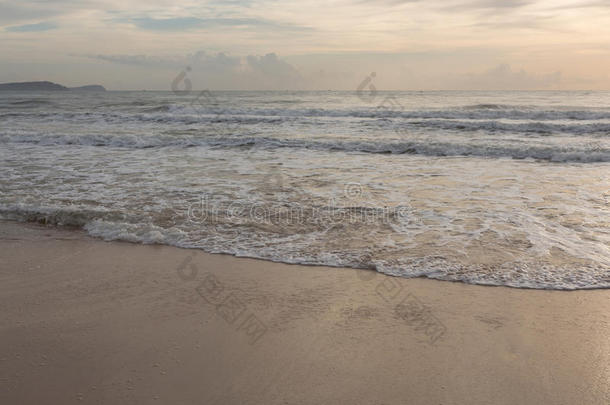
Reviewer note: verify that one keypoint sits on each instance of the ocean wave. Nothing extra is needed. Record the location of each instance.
(159, 108)
(489, 107)
(162, 115)
(141, 109)
(70, 216)
(588, 153)
(520, 127)
(512, 274)
(28, 103)
(378, 112)
(393, 122)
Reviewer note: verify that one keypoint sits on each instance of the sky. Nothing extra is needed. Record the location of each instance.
(309, 45)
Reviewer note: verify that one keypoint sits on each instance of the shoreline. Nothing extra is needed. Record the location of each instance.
(82, 232)
(90, 321)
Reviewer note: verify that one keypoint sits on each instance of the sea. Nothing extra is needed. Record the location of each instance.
(494, 188)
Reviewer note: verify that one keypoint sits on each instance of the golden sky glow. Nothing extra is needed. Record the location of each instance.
(457, 44)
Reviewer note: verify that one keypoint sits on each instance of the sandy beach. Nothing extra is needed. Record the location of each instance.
(88, 321)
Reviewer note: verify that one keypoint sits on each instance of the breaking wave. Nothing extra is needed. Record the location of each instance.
(586, 153)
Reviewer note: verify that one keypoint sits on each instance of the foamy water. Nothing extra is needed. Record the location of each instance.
(504, 188)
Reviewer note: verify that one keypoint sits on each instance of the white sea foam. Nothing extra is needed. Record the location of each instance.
(501, 189)
(579, 152)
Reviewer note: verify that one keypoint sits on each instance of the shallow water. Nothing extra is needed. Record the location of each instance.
(503, 188)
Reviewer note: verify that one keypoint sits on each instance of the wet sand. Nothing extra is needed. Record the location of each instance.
(94, 322)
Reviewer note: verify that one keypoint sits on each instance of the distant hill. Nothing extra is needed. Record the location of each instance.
(46, 86)
(32, 86)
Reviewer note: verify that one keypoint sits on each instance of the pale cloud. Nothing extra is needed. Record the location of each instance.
(503, 77)
(13, 12)
(199, 60)
(217, 70)
(488, 6)
(191, 23)
(42, 26)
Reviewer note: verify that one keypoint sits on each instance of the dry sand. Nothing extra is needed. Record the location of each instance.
(86, 321)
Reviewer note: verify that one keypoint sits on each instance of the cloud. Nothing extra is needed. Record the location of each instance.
(495, 4)
(520, 22)
(168, 24)
(219, 70)
(271, 65)
(11, 12)
(138, 60)
(190, 23)
(486, 6)
(198, 60)
(503, 77)
(42, 26)
(590, 4)
(219, 62)
(445, 5)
